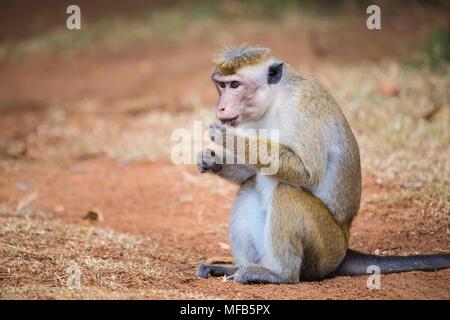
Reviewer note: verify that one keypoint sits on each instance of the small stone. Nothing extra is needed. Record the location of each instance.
(22, 186)
(389, 89)
(224, 246)
(58, 209)
(92, 216)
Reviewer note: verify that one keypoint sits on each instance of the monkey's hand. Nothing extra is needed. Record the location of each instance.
(221, 134)
(208, 161)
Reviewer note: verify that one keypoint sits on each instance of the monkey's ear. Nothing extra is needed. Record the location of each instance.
(275, 72)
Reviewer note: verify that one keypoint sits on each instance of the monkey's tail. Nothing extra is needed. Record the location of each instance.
(357, 263)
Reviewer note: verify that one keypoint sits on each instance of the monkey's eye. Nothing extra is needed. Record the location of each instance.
(234, 84)
(272, 73)
(222, 84)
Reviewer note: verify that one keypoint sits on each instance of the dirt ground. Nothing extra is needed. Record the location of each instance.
(158, 200)
(62, 118)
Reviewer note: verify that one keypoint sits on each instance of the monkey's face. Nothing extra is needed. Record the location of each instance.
(247, 94)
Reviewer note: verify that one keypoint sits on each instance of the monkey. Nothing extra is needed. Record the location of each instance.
(292, 225)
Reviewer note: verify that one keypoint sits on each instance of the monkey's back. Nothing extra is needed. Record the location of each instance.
(339, 185)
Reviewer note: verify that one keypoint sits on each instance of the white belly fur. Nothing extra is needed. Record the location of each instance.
(251, 214)
(265, 186)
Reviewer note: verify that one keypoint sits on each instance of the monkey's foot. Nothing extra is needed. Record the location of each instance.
(256, 274)
(216, 270)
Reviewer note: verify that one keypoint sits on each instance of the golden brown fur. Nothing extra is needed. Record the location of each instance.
(229, 61)
(293, 224)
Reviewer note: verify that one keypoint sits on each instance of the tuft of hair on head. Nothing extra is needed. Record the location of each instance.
(230, 60)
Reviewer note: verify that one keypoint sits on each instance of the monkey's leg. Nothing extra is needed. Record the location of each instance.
(302, 241)
(246, 233)
(247, 225)
(216, 270)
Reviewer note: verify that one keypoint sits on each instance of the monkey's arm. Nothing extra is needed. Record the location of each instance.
(208, 161)
(288, 166)
(285, 164)
(236, 173)
(291, 168)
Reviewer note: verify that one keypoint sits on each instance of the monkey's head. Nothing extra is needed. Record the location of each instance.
(245, 79)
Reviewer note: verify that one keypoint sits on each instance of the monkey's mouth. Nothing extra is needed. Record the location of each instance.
(230, 121)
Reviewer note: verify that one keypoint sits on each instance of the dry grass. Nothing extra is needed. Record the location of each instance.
(41, 256)
(405, 139)
(94, 293)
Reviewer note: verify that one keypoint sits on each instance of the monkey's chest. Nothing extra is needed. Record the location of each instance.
(265, 187)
